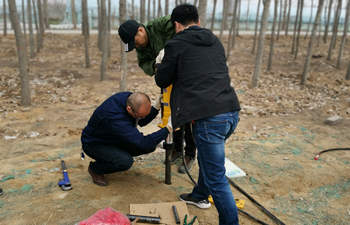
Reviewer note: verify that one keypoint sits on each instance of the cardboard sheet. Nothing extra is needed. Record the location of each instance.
(164, 210)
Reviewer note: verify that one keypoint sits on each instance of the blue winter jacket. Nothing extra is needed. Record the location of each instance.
(112, 124)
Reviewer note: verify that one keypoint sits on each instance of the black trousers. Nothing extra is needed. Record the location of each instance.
(185, 133)
(109, 158)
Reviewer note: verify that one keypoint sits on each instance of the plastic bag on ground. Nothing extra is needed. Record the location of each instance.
(107, 216)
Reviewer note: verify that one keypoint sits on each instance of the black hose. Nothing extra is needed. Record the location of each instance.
(262, 208)
(317, 156)
(251, 217)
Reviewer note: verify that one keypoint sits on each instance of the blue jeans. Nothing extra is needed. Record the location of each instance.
(210, 135)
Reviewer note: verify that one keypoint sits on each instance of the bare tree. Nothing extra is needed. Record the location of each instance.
(213, 16)
(284, 14)
(295, 29)
(288, 17)
(247, 20)
(256, 27)
(346, 28)
(159, 8)
(272, 41)
(74, 14)
(30, 27)
(334, 30)
(202, 10)
(24, 23)
(86, 31)
(299, 28)
(325, 36)
(38, 36)
(5, 16)
(312, 39)
(124, 61)
(132, 9)
(104, 29)
(224, 17)
(232, 33)
(347, 76)
(41, 25)
(279, 20)
(46, 15)
(154, 9)
(109, 29)
(310, 21)
(21, 53)
(238, 17)
(148, 10)
(260, 49)
(142, 11)
(99, 36)
(167, 7)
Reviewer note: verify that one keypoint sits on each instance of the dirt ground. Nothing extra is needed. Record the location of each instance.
(281, 128)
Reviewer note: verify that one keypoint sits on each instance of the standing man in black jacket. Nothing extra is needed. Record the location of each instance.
(195, 63)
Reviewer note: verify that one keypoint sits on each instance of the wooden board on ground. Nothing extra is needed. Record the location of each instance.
(164, 210)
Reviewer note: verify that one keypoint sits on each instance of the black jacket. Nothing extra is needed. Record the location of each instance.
(195, 63)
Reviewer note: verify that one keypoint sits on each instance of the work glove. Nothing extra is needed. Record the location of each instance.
(160, 57)
(158, 102)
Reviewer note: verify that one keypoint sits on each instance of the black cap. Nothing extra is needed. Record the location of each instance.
(127, 32)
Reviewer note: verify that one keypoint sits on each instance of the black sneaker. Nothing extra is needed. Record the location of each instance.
(203, 204)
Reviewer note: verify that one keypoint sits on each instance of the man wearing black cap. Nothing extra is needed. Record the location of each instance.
(149, 40)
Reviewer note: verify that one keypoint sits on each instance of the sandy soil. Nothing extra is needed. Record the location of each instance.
(281, 128)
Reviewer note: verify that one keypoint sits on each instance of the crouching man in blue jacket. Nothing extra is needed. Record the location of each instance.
(112, 138)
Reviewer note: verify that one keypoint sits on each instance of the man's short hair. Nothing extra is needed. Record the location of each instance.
(135, 100)
(185, 14)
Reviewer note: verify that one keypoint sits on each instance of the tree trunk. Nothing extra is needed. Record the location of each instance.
(295, 29)
(132, 9)
(159, 8)
(99, 36)
(284, 14)
(272, 41)
(30, 27)
(247, 22)
(280, 20)
(124, 61)
(41, 24)
(256, 27)
(148, 10)
(74, 14)
(22, 54)
(260, 49)
(142, 11)
(46, 15)
(347, 76)
(24, 23)
(36, 27)
(238, 17)
(343, 40)
(86, 31)
(224, 17)
(299, 28)
(202, 10)
(154, 9)
(312, 38)
(195, 3)
(5, 16)
(334, 30)
(167, 7)
(325, 36)
(103, 40)
(109, 29)
(213, 16)
(232, 32)
(310, 21)
(288, 16)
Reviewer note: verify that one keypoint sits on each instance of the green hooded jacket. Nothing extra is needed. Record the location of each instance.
(159, 31)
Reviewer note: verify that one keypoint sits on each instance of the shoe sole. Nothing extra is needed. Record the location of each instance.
(195, 204)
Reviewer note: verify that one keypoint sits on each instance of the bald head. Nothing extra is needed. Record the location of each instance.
(138, 105)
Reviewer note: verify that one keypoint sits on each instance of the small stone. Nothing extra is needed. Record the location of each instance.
(63, 99)
(333, 120)
(285, 158)
(348, 111)
(26, 109)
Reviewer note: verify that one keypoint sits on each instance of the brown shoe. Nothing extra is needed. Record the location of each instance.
(97, 178)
